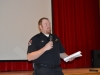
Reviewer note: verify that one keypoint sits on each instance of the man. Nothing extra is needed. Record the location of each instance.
(45, 50)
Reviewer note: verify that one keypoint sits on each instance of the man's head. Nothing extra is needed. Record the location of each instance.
(44, 25)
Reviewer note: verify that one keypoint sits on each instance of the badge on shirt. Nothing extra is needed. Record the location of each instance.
(30, 43)
(42, 41)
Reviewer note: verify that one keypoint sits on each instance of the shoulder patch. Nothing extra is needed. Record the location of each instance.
(30, 43)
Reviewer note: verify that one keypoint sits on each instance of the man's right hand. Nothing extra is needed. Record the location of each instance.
(34, 55)
(48, 46)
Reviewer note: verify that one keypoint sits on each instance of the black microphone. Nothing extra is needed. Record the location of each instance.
(51, 37)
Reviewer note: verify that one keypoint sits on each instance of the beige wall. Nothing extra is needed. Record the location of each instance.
(18, 23)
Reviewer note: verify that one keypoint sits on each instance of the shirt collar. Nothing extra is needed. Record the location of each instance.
(47, 35)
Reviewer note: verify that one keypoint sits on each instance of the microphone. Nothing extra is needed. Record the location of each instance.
(51, 37)
(51, 40)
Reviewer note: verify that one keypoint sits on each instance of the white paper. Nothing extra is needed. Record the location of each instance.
(74, 55)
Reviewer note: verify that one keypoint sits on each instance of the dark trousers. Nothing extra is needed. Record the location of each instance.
(43, 70)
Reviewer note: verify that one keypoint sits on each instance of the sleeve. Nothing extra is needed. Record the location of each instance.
(62, 50)
(31, 46)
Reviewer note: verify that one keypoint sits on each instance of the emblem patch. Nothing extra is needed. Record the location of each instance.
(30, 43)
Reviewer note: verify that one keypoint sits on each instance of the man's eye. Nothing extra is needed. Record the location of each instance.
(46, 24)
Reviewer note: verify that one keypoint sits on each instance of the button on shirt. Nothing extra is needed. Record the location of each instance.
(50, 57)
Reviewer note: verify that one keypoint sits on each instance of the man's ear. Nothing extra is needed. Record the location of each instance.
(40, 27)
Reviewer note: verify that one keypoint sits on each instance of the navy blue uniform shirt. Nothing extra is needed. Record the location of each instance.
(50, 57)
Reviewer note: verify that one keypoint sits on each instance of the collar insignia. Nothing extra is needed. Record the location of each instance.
(56, 40)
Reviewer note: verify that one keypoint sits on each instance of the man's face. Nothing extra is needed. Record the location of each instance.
(45, 27)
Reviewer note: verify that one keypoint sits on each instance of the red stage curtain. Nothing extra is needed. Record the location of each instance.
(76, 22)
(15, 66)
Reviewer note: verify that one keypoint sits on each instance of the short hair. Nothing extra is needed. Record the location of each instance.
(40, 21)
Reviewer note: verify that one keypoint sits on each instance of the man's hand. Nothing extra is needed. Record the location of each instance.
(34, 55)
(48, 46)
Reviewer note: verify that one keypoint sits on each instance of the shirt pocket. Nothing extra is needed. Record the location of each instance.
(41, 44)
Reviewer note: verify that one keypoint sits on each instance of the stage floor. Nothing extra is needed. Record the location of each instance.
(76, 71)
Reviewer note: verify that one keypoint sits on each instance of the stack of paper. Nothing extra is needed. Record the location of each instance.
(75, 55)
